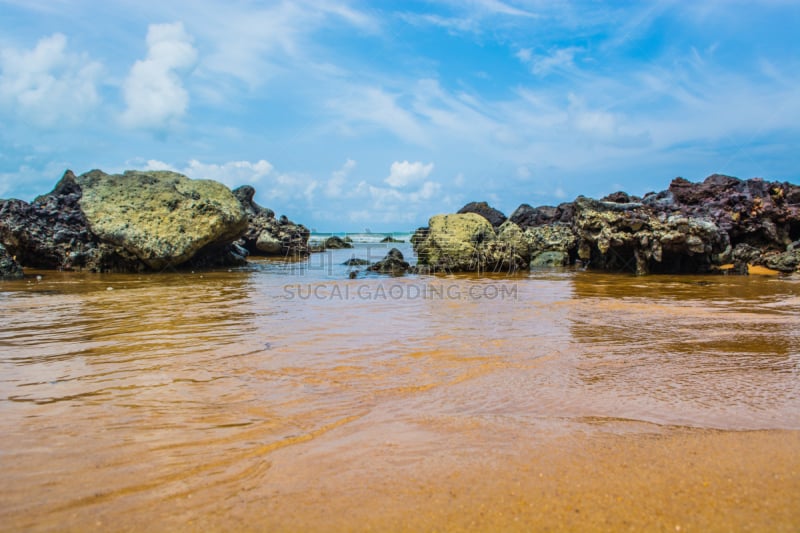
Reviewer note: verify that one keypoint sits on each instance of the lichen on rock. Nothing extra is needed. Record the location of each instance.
(161, 217)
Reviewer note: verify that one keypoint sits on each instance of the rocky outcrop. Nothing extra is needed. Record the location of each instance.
(495, 217)
(9, 268)
(266, 235)
(631, 237)
(753, 213)
(690, 227)
(393, 263)
(132, 222)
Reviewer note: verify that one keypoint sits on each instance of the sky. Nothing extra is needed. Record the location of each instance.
(351, 115)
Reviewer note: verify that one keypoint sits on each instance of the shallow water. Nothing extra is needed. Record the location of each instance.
(286, 396)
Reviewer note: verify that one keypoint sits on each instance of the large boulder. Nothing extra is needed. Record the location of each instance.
(9, 268)
(268, 235)
(161, 217)
(494, 216)
(132, 222)
(454, 243)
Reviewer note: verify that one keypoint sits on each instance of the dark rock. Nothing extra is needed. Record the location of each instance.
(9, 268)
(620, 197)
(29, 230)
(390, 239)
(495, 217)
(336, 243)
(267, 236)
(394, 263)
(526, 216)
(356, 261)
(632, 237)
(764, 215)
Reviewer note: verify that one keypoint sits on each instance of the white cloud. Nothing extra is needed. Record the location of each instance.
(48, 84)
(154, 92)
(404, 173)
(233, 173)
(558, 59)
(375, 107)
(334, 187)
(252, 43)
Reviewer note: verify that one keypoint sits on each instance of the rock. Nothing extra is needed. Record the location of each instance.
(336, 243)
(552, 245)
(266, 235)
(510, 251)
(393, 263)
(495, 217)
(788, 261)
(390, 239)
(268, 243)
(454, 243)
(526, 216)
(549, 259)
(161, 217)
(632, 237)
(356, 261)
(620, 197)
(763, 214)
(124, 223)
(29, 232)
(9, 268)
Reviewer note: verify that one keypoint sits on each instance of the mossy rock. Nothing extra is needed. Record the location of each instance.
(162, 217)
(455, 242)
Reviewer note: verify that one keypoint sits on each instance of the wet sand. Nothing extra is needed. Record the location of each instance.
(224, 401)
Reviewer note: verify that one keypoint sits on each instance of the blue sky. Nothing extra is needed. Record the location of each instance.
(348, 115)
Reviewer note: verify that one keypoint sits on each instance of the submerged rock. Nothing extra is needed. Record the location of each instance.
(9, 268)
(393, 263)
(266, 235)
(356, 261)
(336, 243)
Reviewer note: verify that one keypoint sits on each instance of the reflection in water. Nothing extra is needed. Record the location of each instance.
(224, 395)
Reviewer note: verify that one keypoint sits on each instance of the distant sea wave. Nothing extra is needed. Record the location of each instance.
(363, 238)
